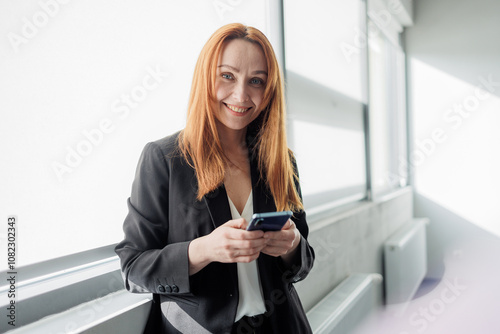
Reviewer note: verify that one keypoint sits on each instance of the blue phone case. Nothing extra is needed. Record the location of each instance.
(269, 221)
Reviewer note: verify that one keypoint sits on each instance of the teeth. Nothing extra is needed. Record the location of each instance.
(233, 108)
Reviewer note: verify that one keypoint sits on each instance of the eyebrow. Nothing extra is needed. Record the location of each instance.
(237, 70)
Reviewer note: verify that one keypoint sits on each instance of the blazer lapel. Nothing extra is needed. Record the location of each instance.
(218, 206)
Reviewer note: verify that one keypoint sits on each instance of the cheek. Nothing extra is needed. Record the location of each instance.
(257, 98)
(221, 92)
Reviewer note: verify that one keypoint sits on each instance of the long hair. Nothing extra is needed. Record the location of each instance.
(200, 144)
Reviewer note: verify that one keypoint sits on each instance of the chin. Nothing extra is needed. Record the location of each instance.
(235, 127)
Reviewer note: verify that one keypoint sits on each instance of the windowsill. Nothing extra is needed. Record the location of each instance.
(51, 287)
(65, 263)
(317, 212)
(115, 311)
(390, 194)
(327, 216)
(63, 278)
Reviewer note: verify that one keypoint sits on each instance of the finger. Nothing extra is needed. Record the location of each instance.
(245, 225)
(290, 225)
(248, 244)
(236, 246)
(244, 255)
(285, 244)
(247, 251)
(279, 235)
(246, 235)
(239, 223)
(252, 234)
(239, 226)
(287, 225)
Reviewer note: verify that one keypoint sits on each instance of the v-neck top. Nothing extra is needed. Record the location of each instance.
(251, 300)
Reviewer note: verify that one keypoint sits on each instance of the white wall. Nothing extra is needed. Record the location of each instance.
(454, 102)
(454, 92)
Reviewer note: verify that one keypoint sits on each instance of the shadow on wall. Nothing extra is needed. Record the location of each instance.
(457, 37)
(447, 233)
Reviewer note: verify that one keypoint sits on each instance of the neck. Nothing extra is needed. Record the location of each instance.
(232, 141)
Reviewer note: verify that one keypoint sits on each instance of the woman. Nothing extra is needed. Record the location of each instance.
(195, 191)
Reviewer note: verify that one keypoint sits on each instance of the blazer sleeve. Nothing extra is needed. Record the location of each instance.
(304, 260)
(148, 262)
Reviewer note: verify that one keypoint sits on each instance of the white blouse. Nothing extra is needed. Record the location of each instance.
(251, 301)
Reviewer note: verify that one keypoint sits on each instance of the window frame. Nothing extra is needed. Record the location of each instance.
(53, 286)
(397, 110)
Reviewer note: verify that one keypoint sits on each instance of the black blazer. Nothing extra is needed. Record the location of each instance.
(164, 216)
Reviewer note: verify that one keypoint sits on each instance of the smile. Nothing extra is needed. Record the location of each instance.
(236, 108)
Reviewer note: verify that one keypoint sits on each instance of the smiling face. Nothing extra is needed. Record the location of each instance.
(240, 84)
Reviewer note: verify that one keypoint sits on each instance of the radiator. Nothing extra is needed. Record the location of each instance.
(405, 261)
(346, 305)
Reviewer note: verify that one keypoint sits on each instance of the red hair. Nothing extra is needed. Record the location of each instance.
(199, 141)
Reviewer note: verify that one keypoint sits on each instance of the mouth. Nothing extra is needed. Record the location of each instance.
(237, 109)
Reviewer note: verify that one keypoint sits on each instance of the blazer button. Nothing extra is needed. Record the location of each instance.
(175, 288)
(168, 289)
(161, 288)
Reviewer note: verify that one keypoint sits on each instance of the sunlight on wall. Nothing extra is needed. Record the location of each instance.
(455, 150)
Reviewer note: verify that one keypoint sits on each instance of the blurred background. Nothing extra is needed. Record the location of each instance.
(393, 109)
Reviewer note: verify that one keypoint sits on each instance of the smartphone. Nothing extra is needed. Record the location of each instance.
(269, 221)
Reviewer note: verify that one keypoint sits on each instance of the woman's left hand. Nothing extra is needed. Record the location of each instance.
(282, 243)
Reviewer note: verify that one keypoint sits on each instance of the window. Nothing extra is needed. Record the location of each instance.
(81, 98)
(388, 141)
(326, 80)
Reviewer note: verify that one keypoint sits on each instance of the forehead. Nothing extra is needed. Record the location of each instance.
(243, 54)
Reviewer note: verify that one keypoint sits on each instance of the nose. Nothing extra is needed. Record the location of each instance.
(240, 92)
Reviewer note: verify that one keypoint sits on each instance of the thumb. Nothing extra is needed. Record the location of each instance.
(239, 223)
(287, 225)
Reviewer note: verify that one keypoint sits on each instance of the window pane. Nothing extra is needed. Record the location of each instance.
(337, 172)
(387, 112)
(325, 42)
(82, 96)
(326, 79)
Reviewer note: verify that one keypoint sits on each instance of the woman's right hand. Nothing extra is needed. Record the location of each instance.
(228, 243)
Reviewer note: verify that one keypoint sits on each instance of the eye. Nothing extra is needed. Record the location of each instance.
(256, 81)
(226, 76)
